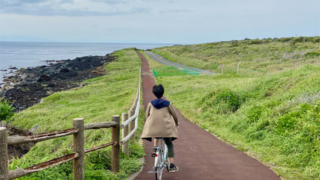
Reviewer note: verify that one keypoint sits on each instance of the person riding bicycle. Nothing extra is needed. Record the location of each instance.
(161, 122)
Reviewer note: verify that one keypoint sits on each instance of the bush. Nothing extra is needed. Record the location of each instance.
(6, 111)
(316, 39)
(255, 113)
(287, 122)
(224, 100)
(300, 39)
(255, 41)
(286, 39)
(234, 43)
(312, 54)
(214, 66)
(292, 44)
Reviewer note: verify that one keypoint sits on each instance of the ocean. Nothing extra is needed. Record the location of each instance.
(31, 54)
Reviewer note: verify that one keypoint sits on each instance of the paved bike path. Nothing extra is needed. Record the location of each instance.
(199, 154)
(162, 60)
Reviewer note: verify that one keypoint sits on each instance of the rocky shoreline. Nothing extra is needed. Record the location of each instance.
(28, 86)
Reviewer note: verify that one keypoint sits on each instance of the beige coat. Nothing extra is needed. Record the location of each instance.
(160, 122)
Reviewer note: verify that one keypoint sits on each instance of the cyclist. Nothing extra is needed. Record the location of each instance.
(161, 122)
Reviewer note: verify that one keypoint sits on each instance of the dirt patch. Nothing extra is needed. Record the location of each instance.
(15, 151)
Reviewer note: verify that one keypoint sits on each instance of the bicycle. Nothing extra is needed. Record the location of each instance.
(161, 159)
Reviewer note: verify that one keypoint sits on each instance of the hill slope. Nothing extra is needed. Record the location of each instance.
(254, 56)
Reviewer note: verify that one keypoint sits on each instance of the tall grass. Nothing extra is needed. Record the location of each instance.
(101, 98)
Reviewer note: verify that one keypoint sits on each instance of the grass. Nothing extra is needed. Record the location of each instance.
(254, 56)
(272, 116)
(101, 98)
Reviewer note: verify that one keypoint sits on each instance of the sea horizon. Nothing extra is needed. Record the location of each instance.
(83, 42)
(31, 54)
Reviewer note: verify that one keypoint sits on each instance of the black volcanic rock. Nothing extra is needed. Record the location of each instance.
(43, 77)
(33, 84)
(64, 70)
(51, 85)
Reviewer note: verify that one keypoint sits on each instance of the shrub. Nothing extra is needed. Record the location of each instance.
(316, 39)
(286, 123)
(231, 99)
(255, 113)
(214, 66)
(255, 41)
(292, 44)
(234, 43)
(222, 101)
(6, 111)
(301, 39)
(286, 39)
(312, 54)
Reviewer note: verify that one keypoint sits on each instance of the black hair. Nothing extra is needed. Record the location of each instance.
(158, 90)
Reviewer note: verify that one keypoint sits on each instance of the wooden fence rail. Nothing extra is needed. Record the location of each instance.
(129, 126)
(78, 148)
(130, 121)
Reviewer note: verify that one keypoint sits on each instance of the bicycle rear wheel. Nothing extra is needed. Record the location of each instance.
(158, 168)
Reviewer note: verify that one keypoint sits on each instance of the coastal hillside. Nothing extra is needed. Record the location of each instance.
(270, 110)
(97, 101)
(253, 55)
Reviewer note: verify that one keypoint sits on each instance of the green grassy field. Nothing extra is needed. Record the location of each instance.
(274, 116)
(254, 56)
(101, 98)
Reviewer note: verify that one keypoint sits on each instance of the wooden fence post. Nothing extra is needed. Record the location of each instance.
(131, 124)
(115, 159)
(125, 146)
(3, 154)
(78, 147)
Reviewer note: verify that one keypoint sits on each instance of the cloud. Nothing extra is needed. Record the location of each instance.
(110, 1)
(19, 2)
(85, 7)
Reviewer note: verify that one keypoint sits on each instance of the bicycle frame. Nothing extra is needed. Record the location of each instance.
(163, 156)
(161, 160)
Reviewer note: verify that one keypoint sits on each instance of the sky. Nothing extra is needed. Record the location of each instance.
(156, 21)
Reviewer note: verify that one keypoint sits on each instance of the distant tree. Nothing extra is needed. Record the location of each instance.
(6, 112)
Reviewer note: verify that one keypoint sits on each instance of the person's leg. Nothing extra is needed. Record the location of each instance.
(170, 146)
(172, 167)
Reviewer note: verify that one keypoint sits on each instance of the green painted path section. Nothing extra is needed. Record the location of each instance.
(166, 62)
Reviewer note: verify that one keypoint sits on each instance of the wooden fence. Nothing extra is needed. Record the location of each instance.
(128, 125)
(130, 122)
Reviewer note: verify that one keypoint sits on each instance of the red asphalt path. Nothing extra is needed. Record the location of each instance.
(199, 154)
